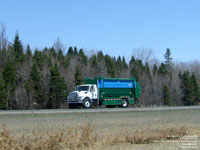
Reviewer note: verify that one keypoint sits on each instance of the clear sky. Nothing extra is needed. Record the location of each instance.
(116, 27)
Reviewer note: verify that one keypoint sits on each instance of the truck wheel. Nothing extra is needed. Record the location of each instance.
(72, 106)
(87, 103)
(124, 104)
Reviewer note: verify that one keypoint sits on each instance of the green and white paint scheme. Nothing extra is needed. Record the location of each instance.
(105, 91)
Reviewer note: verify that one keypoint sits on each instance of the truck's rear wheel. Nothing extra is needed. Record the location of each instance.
(87, 103)
(124, 104)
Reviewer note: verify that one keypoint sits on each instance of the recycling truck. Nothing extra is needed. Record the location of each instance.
(105, 91)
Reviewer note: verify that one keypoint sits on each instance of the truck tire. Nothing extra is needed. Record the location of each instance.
(87, 103)
(124, 103)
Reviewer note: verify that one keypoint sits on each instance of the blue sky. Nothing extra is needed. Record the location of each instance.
(116, 27)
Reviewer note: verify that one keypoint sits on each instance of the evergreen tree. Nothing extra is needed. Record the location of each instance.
(61, 58)
(35, 75)
(147, 70)
(75, 51)
(40, 96)
(136, 68)
(70, 51)
(18, 50)
(155, 69)
(166, 96)
(52, 52)
(134, 73)
(162, 69)
(119, 61)
(9, 74)
(168, 58)
(187, 87)
(100, 56)
(84, 58)
(28, 51)
(94, 62)
(124, 64)
(3, 95)
(196, 90)
(132, 61)
(9, 77)
(39, 58)
(110, 66)
(78, 78)
(57, 89)
(119, 66)
(140, 66)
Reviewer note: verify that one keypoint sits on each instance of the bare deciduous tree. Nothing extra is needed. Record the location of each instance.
(145, 55)
(3, 38)
(58, 46)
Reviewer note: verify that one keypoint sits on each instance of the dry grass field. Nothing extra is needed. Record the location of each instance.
(144, 130)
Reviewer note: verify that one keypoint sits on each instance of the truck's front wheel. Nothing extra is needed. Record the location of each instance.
(87, 103)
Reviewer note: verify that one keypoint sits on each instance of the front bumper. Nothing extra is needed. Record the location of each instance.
(74, 101)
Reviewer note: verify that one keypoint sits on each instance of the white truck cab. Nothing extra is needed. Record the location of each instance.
(86, 95)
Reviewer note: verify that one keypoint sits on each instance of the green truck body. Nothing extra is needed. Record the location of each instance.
(111, 91)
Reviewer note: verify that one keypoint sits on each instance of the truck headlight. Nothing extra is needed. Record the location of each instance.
(80, 97)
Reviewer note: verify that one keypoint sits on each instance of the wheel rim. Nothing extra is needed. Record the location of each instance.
(87, 104)
(124, 104)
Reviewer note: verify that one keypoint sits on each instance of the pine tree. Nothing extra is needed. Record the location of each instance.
(187, 89)
(84, 58)
(18, 50)
(162, 69)
(28, 51)
(61, 58)
(51, 50)
(110, 66)
(166, 96)
(136, 68)
(75, 51)
(39, 58)
(100, 56)
(3, 95)
(155, 69)
(119, 62)
(94, 62)
(124, 64)
(147, 70)
(168, 58)
(140, 66)
(35, 76)
(134, 73)
(9, 77)
(119, 66)
(196, 90)
(78, 78)
(57, 88)
(70, 51)
(132, 61)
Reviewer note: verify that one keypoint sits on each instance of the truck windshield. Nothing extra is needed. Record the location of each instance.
(83, 88)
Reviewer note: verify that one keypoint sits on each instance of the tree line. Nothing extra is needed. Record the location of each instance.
(41, 79)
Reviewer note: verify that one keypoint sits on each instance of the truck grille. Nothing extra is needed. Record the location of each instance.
(73, 97)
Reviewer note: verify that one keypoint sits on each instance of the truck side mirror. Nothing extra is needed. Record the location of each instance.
(92, 89)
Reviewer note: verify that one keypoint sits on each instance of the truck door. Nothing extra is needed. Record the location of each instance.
(93, 91)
